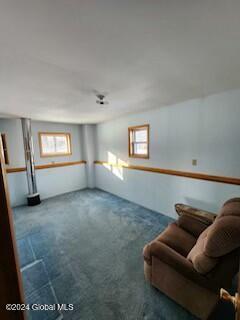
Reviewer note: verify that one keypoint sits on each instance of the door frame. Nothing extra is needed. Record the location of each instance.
(11, 288)
(238, 297)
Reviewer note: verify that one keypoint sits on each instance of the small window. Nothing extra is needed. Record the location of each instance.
(54, 144)
(5, 151)
(138, 141)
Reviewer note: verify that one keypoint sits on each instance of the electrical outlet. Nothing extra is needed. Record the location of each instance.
(194, 162)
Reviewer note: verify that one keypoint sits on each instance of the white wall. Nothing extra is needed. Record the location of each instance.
(18, 188)
(76, 139)
(89, 151)
(204, 129)
(50, 182)
(13, 130)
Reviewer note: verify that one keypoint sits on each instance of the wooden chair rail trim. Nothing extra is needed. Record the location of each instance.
(47, 166)
(12, 170)
(193, 175)
(59, 164)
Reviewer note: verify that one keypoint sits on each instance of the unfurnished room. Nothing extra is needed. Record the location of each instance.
(119, 160)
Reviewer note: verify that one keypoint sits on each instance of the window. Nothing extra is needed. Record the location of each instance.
(5, 151)
(138, 141)
(54, 144)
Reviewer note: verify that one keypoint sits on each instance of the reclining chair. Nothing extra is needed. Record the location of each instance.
(196, 256)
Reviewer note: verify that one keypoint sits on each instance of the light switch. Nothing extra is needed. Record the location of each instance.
(194, 162)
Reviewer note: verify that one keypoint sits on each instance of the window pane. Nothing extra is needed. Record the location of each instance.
(48, 144)
(55, 144)
(141, 135)
(138, 141)
(61, 144)
(140, 148)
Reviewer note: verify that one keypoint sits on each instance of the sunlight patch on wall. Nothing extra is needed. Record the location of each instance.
(115, 165)
(107, 166)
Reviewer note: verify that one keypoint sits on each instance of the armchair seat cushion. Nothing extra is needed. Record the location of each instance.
(177, 238)
(158, 250)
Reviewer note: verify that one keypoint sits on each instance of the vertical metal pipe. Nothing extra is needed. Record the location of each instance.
(33, 197)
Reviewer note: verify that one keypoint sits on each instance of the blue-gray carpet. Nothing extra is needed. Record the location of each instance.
(85, 248)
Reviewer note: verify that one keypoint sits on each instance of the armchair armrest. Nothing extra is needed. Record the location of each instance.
(159, 250)
(205, 216)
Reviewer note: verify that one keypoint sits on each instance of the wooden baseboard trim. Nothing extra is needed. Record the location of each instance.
(47, 166)
(193, 175)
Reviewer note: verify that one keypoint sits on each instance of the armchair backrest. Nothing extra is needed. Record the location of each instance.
(219, 239)
(224, 234)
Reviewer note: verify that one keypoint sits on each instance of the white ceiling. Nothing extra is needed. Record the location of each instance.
(145, 53)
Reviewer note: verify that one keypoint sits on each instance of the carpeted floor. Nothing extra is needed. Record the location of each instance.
(85, 248)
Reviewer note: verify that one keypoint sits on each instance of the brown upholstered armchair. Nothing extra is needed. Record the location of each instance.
(196, 256)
